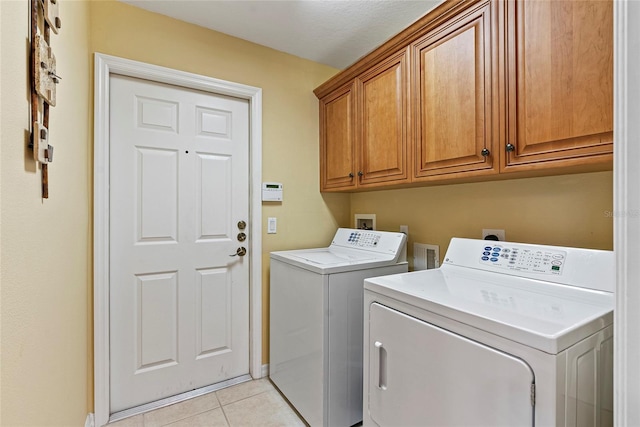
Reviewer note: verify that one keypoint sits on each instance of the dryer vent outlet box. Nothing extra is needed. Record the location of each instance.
(425, 257)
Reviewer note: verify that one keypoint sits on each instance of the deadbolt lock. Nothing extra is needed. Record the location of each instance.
(242, 237)
(242, 225)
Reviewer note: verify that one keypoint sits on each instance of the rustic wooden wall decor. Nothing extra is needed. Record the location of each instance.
(44, 18)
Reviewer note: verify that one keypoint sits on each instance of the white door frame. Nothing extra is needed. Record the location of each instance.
(106, 65)
(626, 213)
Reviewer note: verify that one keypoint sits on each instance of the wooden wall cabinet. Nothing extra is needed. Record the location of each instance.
(364, 129)
(338, 166)
(382, 119)
(558, 84)
(471, 91)
(456, 127)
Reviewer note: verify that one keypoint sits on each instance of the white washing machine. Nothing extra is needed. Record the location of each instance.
(503, 334)
(315, 337)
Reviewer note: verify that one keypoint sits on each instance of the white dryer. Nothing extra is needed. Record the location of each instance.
(503, 334)
(315, 339)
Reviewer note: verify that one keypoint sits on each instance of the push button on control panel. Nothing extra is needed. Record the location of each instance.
(523, 258)
(364, 239)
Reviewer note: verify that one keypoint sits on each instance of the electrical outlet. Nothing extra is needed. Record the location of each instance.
(404, 229)
(500, 234)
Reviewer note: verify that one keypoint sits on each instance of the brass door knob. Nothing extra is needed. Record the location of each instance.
(242, 251)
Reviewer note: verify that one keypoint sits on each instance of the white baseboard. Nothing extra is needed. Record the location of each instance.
(90, 420)
(265, 371)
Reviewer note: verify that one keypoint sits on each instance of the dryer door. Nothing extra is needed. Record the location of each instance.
(420, 374)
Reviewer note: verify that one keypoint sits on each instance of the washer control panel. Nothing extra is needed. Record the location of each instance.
(522, 258)
(382, 242)
(363, 239)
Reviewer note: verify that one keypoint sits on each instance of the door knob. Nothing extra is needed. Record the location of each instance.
(485, 152)
(242, 225)
(242, 251)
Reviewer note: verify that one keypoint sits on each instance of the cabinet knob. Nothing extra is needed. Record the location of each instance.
(510, 147)
(351, 175)
(360, 173)
(485, 152)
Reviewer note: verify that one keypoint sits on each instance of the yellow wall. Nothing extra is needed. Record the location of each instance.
(567, 210)
(45, 245)
(290, 114)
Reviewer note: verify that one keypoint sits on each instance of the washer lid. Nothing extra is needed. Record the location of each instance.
(539, 314)
(332, 260)
(327, 257)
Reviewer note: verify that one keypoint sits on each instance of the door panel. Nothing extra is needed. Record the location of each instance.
(213, 327)
(179, 305)
(453, 77)
(156, 320)
(337, 140)
(213, 178)
(428, 376)
(383, 138)
(559, 81)
(157, 186)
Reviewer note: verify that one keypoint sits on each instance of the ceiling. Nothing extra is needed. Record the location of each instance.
(331, 32)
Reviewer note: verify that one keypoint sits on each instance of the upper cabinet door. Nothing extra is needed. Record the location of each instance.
(558, 86)
(337, 140)
(382, 122)
(452, 82)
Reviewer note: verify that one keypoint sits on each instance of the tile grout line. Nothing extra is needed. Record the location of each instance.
(144, 424)
(148, 423)
(224, 414)
(245, 398)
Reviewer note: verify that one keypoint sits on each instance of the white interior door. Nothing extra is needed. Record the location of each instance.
(422, 375)
(179, 304)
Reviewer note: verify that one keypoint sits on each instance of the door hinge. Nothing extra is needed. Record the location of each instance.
(533, 394)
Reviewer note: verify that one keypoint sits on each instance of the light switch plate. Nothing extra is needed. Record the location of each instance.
(272, 225)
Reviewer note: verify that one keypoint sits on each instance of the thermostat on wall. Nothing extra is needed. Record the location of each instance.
(271, 192)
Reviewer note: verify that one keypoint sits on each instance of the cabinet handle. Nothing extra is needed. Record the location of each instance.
(351, 175)
(485, 152)
(510, 147)
(360, 173)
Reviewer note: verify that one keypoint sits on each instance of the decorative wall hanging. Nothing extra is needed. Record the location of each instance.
(44, 18)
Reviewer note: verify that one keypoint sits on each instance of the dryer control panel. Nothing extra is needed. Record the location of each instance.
(586, 268)
(523, 258)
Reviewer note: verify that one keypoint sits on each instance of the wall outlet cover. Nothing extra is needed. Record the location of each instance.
(365, 221)
(495, 232)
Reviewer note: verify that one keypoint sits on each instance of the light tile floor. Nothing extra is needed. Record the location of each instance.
(253, 403)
